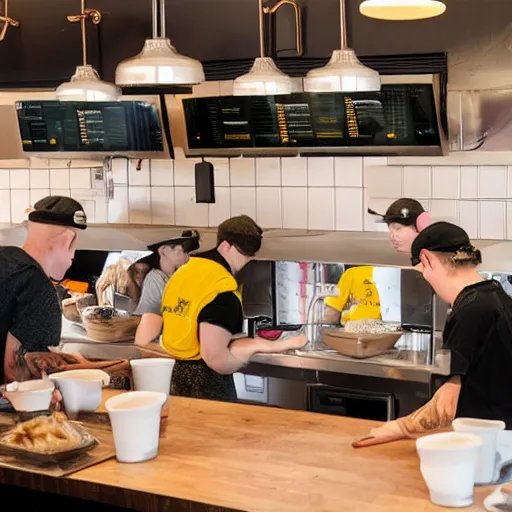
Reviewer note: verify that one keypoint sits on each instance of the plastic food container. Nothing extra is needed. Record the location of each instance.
(359, 345)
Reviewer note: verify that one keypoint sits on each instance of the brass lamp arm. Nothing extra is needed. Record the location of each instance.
(7, 22)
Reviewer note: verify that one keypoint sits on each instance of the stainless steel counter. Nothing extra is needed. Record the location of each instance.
(395, 364)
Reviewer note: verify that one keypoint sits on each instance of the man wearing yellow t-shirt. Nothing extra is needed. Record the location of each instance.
(358, 299)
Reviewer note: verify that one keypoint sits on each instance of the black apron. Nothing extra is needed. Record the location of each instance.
(195, 379)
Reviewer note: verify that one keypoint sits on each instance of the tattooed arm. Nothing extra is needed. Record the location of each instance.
(436, 414)
(15, 367)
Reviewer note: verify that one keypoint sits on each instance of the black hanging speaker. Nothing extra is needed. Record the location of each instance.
(205, 183)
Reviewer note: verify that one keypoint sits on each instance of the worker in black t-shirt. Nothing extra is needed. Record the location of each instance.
(30, 315)
(478, 333)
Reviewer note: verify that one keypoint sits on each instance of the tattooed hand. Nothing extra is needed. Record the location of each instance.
(434, 415)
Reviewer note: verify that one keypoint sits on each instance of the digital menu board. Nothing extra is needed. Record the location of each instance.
(400, 115)
(51, 126)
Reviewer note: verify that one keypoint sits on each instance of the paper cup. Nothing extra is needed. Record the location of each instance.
(487, 430)
(448, 463)
(135, 420)
(152, 374)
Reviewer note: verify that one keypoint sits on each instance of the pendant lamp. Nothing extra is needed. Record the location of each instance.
(402, 10)
(264, 78)
(159, 63)
(343, 72)
(85, 84)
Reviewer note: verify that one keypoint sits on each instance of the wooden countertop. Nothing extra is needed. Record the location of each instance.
(217, 456)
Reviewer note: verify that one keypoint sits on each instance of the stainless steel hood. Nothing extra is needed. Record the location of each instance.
(480, 120)
(278, 244)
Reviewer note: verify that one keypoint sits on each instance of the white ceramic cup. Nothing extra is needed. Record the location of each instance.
(448, 463)
(487, 430)
(152, 374)
(135, 420)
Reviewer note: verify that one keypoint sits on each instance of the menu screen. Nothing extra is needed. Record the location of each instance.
(401, 115)
(89, 126)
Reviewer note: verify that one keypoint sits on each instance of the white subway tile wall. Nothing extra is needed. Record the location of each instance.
(323, 193)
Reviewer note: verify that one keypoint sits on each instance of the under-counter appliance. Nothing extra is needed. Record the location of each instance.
(352, 403)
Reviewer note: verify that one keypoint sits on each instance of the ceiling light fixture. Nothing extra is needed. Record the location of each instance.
(402, 10)
(344, 72)
(159, 63)
(265, 78)
(85, 84)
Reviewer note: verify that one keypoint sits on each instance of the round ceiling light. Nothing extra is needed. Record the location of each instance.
(85, 85)
(402, 10)
(159, 64)
(343, 73)
(264, 79)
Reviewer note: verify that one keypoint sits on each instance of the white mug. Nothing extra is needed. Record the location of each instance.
(448, 463)
(487, 430)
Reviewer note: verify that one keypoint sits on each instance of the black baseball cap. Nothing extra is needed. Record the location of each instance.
(403, 211)
(189, 240)
(59, 211)
(440, 237)
(242, 232)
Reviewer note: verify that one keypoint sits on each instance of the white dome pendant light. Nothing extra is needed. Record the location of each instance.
(85, 84)
(343, 72)
(264, 78)
(159, 63)
(402, 10)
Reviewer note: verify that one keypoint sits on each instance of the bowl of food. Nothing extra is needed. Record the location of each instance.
(73, 306)
(105, 323)
(31, 395)
(362, 338)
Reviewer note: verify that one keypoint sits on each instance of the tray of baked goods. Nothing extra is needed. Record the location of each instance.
(53, 445)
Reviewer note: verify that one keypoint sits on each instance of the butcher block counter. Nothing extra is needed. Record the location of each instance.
(223, 457)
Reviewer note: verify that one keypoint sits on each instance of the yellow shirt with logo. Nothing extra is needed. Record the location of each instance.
(192, 287)
(359, 298)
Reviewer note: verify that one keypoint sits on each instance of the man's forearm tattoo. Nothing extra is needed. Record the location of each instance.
(436, 414)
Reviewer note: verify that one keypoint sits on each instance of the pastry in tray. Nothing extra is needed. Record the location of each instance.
(47, 436)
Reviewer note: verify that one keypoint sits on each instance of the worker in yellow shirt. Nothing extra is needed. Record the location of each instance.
(358, 299)
(202, 316)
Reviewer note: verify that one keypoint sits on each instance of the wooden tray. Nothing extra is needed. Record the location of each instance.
(359, 345)
(104, 450)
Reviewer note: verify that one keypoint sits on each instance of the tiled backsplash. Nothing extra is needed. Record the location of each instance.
(322, 193)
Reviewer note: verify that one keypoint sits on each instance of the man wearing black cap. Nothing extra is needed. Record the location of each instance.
(30, 315)
(478, 333)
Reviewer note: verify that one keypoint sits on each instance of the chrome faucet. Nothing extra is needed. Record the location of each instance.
(312, 334)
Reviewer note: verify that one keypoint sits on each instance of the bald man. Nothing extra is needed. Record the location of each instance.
(30, 314)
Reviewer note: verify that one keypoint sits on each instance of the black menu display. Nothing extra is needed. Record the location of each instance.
(52, 126)
(398, 115)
